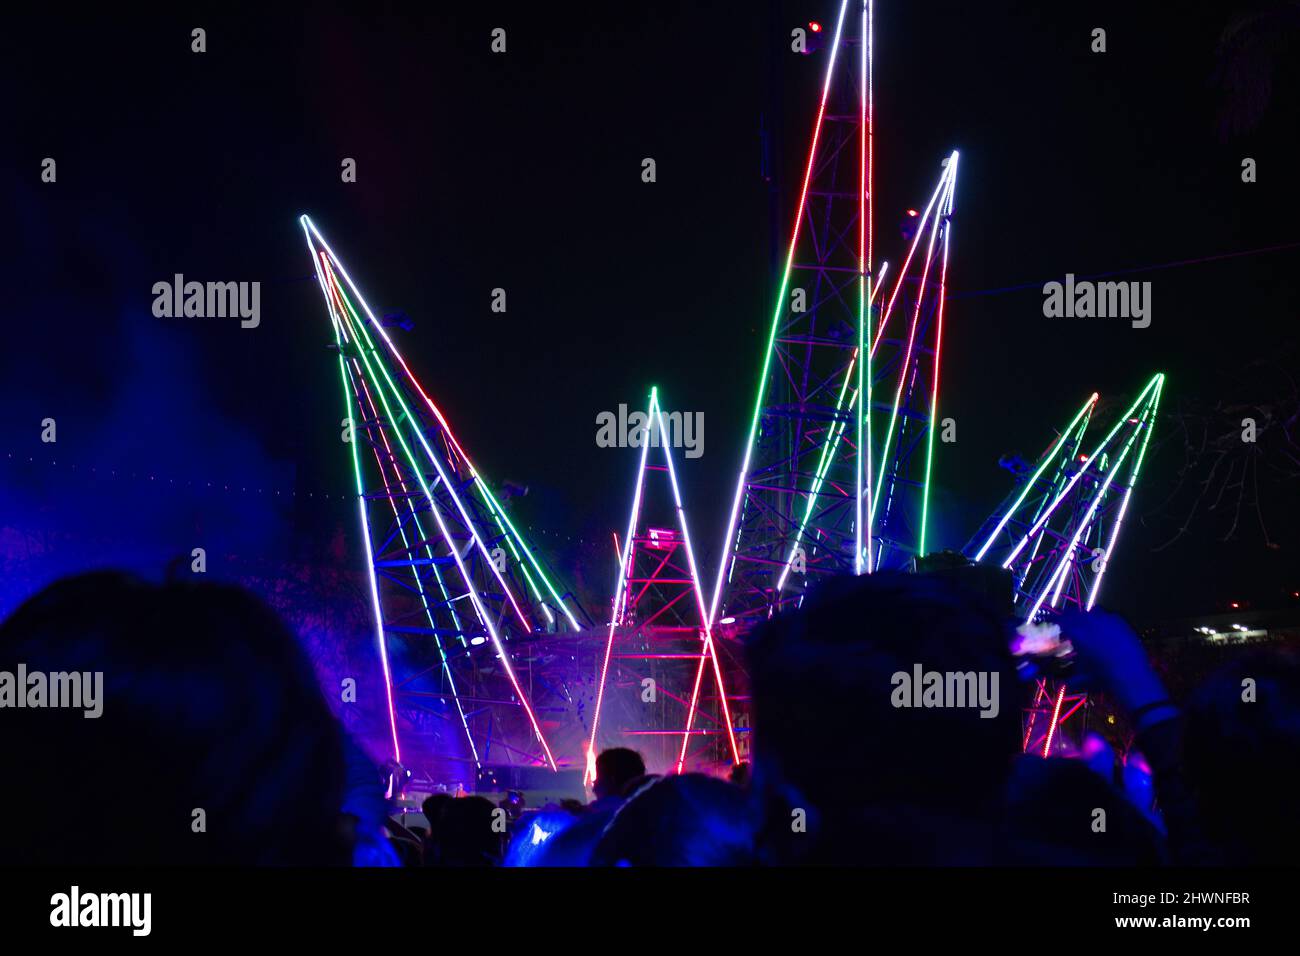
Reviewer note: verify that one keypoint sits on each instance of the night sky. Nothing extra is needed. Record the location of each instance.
(522, 171)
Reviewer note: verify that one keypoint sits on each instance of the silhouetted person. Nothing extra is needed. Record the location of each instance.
(615, 769)
(435, 809)
(1242, 750)
(1053, 819)
(1110, 658)
(211, 721)
(845, 773)
(618, 770)
(681, 820)
(469, 834)
(739, 774)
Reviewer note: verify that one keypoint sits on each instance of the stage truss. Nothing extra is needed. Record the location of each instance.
(1058, 532)
(662, 689)
(834, 479)
(831, 484)
(456, 591)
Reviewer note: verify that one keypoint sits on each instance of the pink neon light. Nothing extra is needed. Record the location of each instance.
(374, 585)
(620, 598)
(484, 617)
(902, 273)
(1062, 567)
(864, 407)
(911, 335)
(803, 198)
(816, 486)
(388, 449)
(308, 224)
(690, 714)
(863, 529)
(1033, 713)
(938, 340)
(1056, 716)
(519, 612)
(708, 650)
(1043, 519)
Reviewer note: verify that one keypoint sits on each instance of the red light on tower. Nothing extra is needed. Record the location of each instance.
(814, 26)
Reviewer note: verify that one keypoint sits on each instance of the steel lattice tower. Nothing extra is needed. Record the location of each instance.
(903, 359)
(1057, 534)
(659, 632)
(453, 583)
(830, 484)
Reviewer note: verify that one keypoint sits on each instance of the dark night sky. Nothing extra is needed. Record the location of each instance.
(523, 171)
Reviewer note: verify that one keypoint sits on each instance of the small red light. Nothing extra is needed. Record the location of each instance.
(1234, 605)
(815, 27)
(911, 212)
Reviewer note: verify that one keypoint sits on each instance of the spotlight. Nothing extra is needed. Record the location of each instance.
(812, 39)
(909, 225)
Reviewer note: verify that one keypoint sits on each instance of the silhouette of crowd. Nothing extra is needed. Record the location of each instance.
(215, 746)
